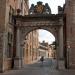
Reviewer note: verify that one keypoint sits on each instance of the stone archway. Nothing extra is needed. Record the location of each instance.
(26, 24)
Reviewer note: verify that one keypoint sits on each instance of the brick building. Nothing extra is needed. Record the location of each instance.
(69, 28)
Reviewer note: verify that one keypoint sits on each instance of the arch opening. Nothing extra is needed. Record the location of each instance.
(35, 46)
(29, 26)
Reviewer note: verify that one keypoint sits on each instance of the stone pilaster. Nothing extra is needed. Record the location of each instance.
(57, 48)
(61, 42)
(18, 59)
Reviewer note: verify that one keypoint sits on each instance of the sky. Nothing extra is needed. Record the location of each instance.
(46, 36)
(43, 34)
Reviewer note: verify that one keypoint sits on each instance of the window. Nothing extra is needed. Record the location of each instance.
(27, 50)
(9, 47)
(9, 51)
(9, 37)
(30, 51)
(11, 13)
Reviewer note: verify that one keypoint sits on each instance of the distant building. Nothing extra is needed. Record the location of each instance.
(45, 50)
(31, 46)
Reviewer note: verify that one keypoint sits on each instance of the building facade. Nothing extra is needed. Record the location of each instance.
(45, 50)
(69, 28)
(31, 47)
(8, 53)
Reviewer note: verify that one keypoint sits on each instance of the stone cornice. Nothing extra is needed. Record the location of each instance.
(38, 17)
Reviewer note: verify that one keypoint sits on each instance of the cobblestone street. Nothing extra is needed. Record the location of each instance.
(48, 68)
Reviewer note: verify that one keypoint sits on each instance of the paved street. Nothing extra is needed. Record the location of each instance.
(48, 68)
